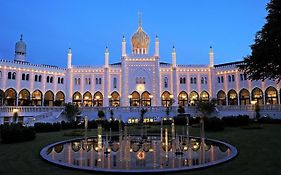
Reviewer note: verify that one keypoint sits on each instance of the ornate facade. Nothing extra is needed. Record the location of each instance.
(140, 79)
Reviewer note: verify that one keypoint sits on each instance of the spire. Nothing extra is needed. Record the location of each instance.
(106, 49)
(69, 58)
(211, 57)
(174, 57)
(21, 37)
(156, 53)
(123, 46)
(140, 19)
(106, 58)
(174, 49)
(69, 51)
(123, 39)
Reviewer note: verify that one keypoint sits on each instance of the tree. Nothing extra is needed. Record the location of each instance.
(143, 111)
(71, 111)
(101, 115)
(206, 107)
(265, 60)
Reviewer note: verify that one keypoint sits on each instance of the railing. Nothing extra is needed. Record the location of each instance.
(13, 109)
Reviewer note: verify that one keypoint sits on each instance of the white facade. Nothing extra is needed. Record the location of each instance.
(139, 78)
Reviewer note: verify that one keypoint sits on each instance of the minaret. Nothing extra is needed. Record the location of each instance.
(123, 46)
(20, 50)
(156, 46)
(174, 57)
(69, 59)
(106, 55)
(211, 56)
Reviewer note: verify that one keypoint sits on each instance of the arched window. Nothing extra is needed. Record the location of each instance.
(114, 82)
(99, 80)
(77, 99)
(204, 96)
(166, 99)
(134, 99)
(9, 75)
(146, 99)
(98, 99)
(27, 77)
(87, 99)
(244, 96)
(1, 98)
(194, 97)
(232, 97)
(221, 98)
(48, 79)
(14, 75)
(114, 101)
(58, 80)
(257, 95)
(10, 97)
(191, 80)
(166, 82)
(222, 79)
(79, 81)
(194, 80)
(24, 98)
(229, 78)
(184, 80)
(36, 98)
(40, 78)
(183, 98)
(202, 80)
(59, 99)
(206, 80)
(51, 80)
(23, 76)
(49, 98)
(271, 96)
(61, 80)
(180, 80)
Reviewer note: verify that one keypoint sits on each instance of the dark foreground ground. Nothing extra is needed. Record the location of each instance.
(259, 153)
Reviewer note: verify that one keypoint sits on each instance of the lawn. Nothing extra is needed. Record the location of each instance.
(259, 153)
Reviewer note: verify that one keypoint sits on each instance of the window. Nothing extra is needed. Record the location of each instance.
(22, 76)
(202, 80)
(206, 81)
(245, 76)
(51, 80)
(194, 80)
(14, 76)
(99, 80)
(61, 80)
(182, 80)
(191, 80)
(27, 77)
(166, 82)
(219, 80)
(79, 81)
(9, 75)
(48, 79)
(222, 79)
(114, 82)
(241, 77)
(233, 78)
(229, 78)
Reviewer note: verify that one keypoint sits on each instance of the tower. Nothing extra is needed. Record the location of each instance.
(156, 53)
(69, 59)
(211, 57)
(123, 46)
(106, 58)
(174, 57)
(20, 50)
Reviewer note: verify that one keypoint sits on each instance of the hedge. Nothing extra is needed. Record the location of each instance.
(16, 133)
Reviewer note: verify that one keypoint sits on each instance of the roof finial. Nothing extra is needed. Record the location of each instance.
(21, 37)
(140, 20)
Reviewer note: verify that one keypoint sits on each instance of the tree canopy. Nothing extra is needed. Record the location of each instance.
(265, 59)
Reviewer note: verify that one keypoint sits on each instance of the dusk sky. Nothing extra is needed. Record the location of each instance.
(50, 27)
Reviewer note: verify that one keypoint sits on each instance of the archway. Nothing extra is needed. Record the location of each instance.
(87, 99)
(115, 99)
(204, 96)
(24, 98)
(36, 98)
(134, 99)
(244, 96)
(10, 97)
(271, 96)
(49, 98)
(77, 99)
(183, 98)
(194, 97)
(232, 97)
(98, 99)
(257, 95)
(1, 97)
(221, 97)
(59, 99)
(146, 98)
(166, 99)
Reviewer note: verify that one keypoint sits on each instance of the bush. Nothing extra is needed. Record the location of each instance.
(16, 133)
(214, 124)
(180, 120)
(236, 121)
(47, 127)
(269, 120)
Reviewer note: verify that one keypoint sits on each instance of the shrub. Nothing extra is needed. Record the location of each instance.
(16, 133)
(269, 120)
(180, 120)
(235, 121)
(214, 124)
(47, 127)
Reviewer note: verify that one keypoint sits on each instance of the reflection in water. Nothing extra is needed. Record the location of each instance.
(135, 152)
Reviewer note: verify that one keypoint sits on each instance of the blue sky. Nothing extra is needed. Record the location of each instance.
(88, 26)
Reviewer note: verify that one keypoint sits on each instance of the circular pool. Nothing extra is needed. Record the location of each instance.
(136, 154)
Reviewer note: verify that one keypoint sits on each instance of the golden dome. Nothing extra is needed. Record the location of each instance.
(140, 40)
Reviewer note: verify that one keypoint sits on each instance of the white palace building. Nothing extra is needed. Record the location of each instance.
(139, 80)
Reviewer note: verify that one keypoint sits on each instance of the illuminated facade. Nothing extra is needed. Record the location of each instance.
(140, 79)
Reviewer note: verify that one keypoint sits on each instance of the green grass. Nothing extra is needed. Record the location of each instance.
(259, 153)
